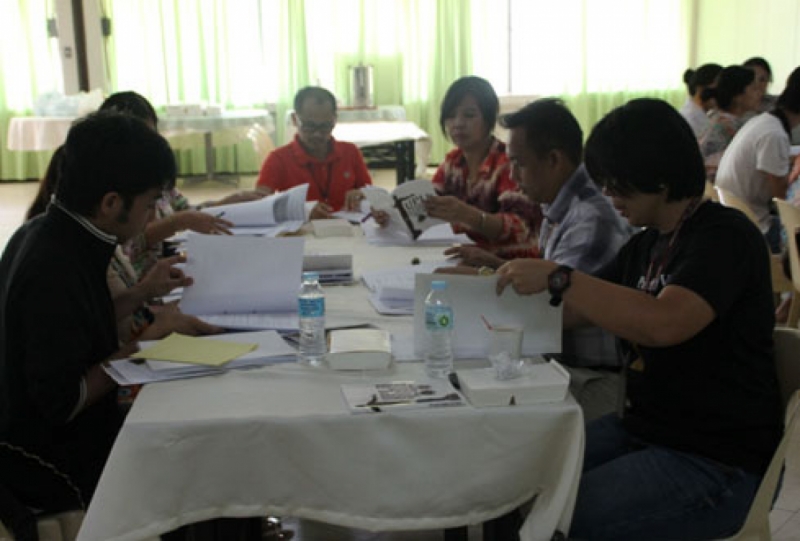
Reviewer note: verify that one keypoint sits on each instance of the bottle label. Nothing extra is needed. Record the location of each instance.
(438, 317)
(311, 307)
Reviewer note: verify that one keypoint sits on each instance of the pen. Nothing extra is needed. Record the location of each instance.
(220, 214)
(367, 217)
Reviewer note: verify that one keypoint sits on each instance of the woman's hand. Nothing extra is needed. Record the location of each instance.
(238, 197)
(201, 222)
(475, 257)
(381, 217)
(449, 208)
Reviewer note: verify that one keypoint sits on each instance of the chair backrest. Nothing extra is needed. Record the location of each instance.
(262, 142)
(787, 364)
(730, 200)
(710, 192)
(790, 218)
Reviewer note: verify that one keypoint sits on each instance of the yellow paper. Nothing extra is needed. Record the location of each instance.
(193, 350)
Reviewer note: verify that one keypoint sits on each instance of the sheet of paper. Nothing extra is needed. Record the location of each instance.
(180, 348)
(274, 209)
(473, 296)
(396, 235)
(237, 275)
(292, 226)
(269, 345)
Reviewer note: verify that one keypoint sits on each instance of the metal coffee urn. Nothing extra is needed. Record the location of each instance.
(361, 86)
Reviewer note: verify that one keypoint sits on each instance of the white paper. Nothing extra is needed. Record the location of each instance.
(474, 296)
(238, 275)
(292, 226)
(393, 288)
(397, 235)
(273, 209)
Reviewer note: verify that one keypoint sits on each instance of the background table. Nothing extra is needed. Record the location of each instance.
(281, 441)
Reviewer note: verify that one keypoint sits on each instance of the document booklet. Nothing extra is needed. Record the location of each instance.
(406, 202)
(242, 275)
(400, 395)
(474, 299)
(540, 382)
(359, 349)
(180, 348)
(271, 210)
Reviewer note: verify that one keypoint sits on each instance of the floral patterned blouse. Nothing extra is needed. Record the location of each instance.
(495, 192)
(719, 134)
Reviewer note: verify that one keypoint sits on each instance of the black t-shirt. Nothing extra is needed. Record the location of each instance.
(716, 394)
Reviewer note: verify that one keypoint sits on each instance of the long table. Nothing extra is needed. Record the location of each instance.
(281, 441)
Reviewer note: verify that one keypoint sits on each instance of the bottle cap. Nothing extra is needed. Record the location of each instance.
(438, 285)
(311, 276)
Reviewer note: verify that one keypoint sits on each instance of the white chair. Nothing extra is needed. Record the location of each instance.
(790, 218)
(787, 362)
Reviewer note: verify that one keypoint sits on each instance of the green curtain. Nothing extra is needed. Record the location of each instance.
(29, 67)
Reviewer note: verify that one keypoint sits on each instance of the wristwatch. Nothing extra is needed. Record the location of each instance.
(557, 283)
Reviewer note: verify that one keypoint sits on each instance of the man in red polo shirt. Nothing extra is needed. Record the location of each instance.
(334, 170)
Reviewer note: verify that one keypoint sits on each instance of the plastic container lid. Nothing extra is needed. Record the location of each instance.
(438, 285)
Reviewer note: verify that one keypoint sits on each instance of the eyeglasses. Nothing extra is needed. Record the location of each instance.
(311, 127)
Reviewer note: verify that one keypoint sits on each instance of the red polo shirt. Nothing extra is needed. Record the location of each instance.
(328, 180)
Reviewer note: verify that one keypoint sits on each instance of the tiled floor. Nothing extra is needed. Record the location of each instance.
(785, 517)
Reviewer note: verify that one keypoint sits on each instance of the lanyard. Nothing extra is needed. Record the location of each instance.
(651, 289)
(322, 192)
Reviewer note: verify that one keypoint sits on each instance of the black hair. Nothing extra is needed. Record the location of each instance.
(731, 82)
(131, 103)
(108, 151)
(759, 62)
(789, 99)
(317, 93)
(47, 186)
(478, 88)
(701, 77)
(646, 146)
(549, 125)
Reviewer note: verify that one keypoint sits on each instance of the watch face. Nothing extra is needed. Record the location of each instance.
(559, 280)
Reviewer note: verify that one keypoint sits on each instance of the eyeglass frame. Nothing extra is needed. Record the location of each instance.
(311, 127)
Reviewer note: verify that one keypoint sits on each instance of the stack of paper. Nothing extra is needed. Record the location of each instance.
(392, 289)
(332, 268)
(270, 216)
(270, 348)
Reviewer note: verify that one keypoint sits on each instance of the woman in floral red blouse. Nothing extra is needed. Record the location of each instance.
(477, 194)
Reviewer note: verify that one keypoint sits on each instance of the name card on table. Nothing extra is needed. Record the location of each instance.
(474, 296)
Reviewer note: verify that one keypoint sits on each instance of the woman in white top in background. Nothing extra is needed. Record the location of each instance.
(695, 110)
(736, 93)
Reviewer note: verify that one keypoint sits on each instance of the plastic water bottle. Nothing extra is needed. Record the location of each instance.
(439, 326)
(311, 308)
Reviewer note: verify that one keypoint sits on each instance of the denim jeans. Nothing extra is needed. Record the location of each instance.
(632, 490)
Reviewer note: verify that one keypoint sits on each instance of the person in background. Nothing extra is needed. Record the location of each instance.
(690, 299)
(763, 73)
(57, 320)
(173, 211)
(736, 93)
(756, 165)
(477, 194)
(696, 109)
(334, 170)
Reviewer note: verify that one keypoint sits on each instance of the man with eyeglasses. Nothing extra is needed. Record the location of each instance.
(334, 170)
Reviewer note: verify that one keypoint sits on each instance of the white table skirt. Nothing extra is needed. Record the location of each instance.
(280, 441)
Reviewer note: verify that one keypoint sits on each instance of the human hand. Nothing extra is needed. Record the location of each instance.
(449, 208)
(202, 222)
(381, 217)
(170, 320)
(163, 277)
(458, 269)
(238, 197)
(321, 211)
(525, 276)
(124, 352)
(474, 256)
(352, 200)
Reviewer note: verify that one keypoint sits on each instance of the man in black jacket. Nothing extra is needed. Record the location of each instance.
(57, 321)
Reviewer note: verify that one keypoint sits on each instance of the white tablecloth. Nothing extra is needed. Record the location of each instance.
(281, 441)
(47, 133)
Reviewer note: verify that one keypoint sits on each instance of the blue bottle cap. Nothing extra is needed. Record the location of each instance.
(311, 276)
(438, 285)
